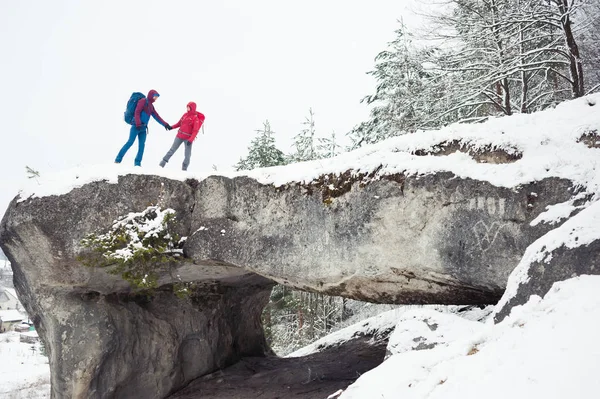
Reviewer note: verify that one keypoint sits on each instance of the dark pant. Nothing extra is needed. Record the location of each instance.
(188, 153)
(141, 136)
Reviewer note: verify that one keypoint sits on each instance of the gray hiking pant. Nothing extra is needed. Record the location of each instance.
(188, 153)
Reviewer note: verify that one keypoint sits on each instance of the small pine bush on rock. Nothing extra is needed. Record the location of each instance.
(138, 247)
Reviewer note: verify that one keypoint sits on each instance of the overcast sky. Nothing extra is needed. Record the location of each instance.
(68, 67)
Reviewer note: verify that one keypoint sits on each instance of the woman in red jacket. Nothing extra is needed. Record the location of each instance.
(188, 125)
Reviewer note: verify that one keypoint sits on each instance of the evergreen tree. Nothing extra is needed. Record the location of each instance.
(404, 97)
(262, 151)
(328, 147)
(305, 147)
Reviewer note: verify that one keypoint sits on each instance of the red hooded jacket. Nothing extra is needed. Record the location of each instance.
(189, 124)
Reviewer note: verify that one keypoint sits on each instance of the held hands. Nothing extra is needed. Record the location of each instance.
(168, 127)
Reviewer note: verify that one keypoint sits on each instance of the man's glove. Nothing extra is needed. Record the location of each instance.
(168, 127)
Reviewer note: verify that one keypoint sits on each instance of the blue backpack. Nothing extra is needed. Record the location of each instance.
(131, 104)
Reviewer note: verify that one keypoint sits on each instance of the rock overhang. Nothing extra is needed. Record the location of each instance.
(329, 236)
(405, 239)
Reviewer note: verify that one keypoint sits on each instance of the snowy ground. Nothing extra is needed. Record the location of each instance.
(548, 348)
(387, 321)
(24, 374)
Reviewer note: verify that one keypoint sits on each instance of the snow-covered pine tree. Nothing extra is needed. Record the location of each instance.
(328, 147)
(404, 95)
(262, 151)
(305, 146)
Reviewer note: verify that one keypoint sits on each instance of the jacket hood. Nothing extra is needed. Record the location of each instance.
(192, 106)
(151, 95)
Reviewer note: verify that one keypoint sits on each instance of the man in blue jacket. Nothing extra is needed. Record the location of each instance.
(143, 110)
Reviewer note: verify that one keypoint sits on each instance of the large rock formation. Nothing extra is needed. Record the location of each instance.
(103, 340)
(430, 239)
(570, 250)
(396, 239)
(565, 263)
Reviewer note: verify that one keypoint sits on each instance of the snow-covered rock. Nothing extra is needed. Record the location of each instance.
(570, 250)
(424, 328)
(547, 348)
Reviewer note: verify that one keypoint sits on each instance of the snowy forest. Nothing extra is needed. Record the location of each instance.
(477, 59)
(470, 60)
